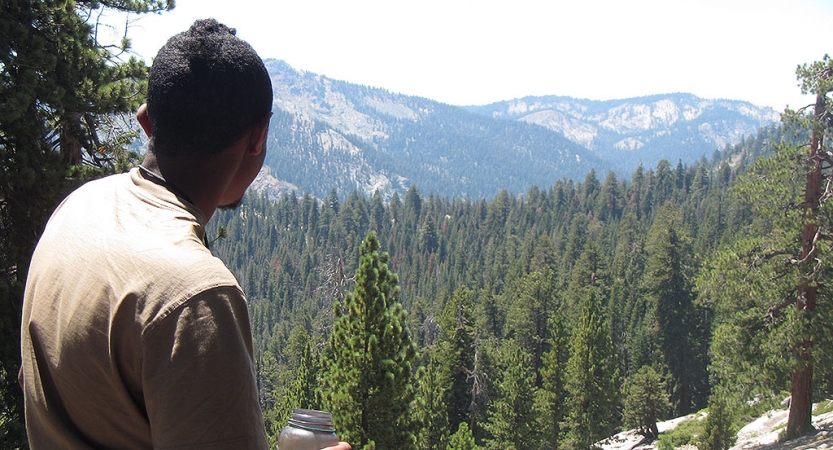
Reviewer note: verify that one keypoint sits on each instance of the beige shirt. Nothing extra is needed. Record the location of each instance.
(134, 336)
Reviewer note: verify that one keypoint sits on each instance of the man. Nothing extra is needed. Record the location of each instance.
(134, 336)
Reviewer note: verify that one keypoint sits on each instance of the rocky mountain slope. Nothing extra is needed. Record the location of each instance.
(329, 134)
(646, 129)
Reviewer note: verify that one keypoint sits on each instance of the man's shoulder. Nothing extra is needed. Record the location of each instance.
(187, 269)
(101, 185)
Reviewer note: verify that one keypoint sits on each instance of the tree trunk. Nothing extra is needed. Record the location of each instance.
(70, 145)
(801, 403)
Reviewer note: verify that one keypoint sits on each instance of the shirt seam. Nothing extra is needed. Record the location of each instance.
(165, 314)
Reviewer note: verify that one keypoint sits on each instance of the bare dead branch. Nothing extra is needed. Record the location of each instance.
(431, 329)
(828, 191)
(799, 262)
(775, 309)
(477, 378)
(757, 258)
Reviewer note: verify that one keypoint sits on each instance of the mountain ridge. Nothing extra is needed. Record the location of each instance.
(630, 124)
(328, 134)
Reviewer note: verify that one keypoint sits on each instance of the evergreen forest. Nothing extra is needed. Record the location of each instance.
(545, 319)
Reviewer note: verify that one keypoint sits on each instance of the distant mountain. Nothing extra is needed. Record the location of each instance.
(329, 134)
(645, 129)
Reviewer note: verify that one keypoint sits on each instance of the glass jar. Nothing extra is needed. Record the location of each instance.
(308, 429)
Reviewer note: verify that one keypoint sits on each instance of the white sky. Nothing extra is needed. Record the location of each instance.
(466, 52)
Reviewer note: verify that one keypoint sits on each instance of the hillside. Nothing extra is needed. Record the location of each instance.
(645, 129)
(507, 288)
(329, 134)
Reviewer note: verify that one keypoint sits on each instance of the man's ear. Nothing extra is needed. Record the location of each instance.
(257, 137)
(144, 119)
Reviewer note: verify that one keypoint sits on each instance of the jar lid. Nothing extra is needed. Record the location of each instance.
(312, 420)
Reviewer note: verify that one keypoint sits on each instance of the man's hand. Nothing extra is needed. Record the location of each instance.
(340, 446)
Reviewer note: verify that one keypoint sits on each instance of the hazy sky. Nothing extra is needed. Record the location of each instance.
(466, 52)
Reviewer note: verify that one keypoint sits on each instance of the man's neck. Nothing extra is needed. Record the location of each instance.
(201, 183)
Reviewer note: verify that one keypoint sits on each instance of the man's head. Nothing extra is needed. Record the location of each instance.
(206, 89)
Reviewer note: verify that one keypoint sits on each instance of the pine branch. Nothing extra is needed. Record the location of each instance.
(775, 309)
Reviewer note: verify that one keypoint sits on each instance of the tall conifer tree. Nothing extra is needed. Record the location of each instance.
(462, 439)
(590, 377)
(549, 399)
(668, 288)
(456, 355)
(771, 290)
(366, 375)
(527, 320)
(512, 420)
(645, 401)
(430, 409)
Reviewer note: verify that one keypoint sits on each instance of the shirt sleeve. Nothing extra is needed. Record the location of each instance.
(198, 375)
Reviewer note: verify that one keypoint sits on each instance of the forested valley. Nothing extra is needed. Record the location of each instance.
(543, 319)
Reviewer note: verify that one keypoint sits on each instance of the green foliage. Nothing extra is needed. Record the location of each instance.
(645, 401)
(527, 320)
(429, 410)
(771, 327)
(367, 374)
(455, 352)
(481, 277)
(550, 398)
(677, 324)
(665, 443)
(750, 350)
(687, 432)
(501, 272)
(428, 240)
(823, 407)
(590, 272)
(720, 429)
(301, 393)
(462, 439)
(512, 419)
(590, 376)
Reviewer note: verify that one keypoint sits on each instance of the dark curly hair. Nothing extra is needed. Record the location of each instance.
(206, 88)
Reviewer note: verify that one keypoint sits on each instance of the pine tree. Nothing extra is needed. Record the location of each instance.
(720, 431)
(456, 354)
(430, 409)
(589, 272)
(462, 439)
(366, 376)
(610, 200)
(549, 399)
(61, 90)
(302, 392)
(528, 317)
(299, 392)
(816, 79)
(645, 401)
(769, 289)
(512, 420)
(668, 288)
(428, 240)
(590, 377)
